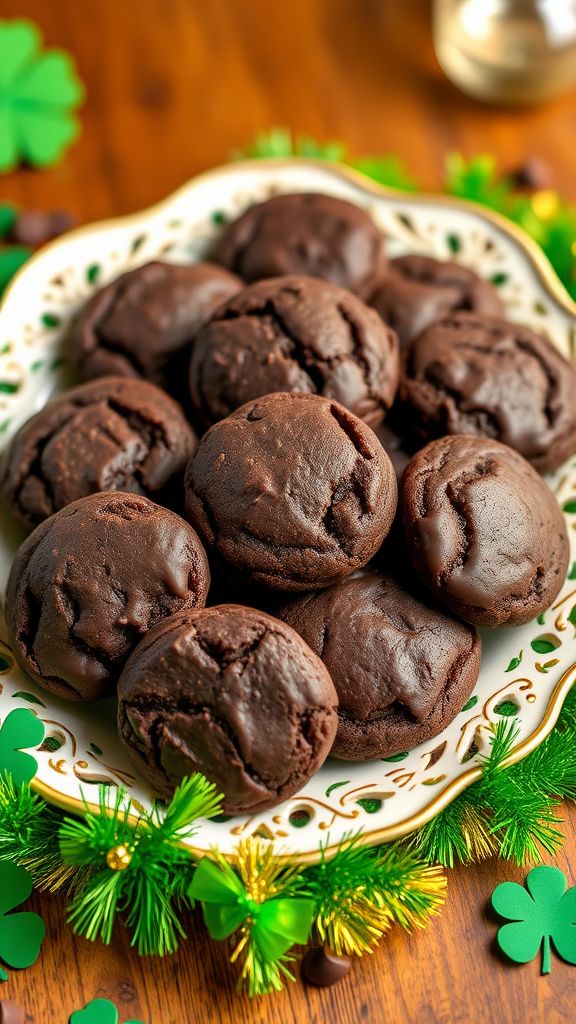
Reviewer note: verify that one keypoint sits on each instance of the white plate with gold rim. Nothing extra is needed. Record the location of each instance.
(526, 671)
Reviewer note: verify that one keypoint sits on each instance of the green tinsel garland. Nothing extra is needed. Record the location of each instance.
(112, 866)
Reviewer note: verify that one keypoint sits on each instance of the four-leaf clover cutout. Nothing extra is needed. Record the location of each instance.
(39, 91)
(99, 1011)
(544, 915)
(22, 934)
(20, 729)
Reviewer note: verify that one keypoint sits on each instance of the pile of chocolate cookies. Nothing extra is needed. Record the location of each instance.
(302, 580)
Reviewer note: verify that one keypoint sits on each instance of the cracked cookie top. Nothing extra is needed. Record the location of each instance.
(294, 333)
(419, 290)
(292, 491)
(90, 581)
(143, 323)
(233, 693)
(469, 374)
(306, 233)
(485, 532)
(402, 669)
(112, 434)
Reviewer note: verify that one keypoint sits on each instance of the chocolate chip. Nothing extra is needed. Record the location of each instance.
(322, 968)
(534, 173)
(10, 1013)
(35, 227)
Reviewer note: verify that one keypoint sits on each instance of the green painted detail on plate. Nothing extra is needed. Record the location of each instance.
(5, 663)
(453, 242)
(572, 616)
(470, 703)
(397, 757)
(572, 572)
(50, 320)
(51, 744)
(57, 363)
(5, 348)
(435, 781)
(219, 218)
(541, 619)
(336, 785)
(4, 425)
(514, 662)
(570, 506)
(30, 697)
(370, 804)
(499, 278)
(506, 708)
(95, 750)
(93, 273)
(37, 365)
(298, 819)
(545, 644)
(8, 387)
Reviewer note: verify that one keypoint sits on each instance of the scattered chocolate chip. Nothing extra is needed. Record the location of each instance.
(35, 227)
(10, 1013)
(322, 968)
(534, 173)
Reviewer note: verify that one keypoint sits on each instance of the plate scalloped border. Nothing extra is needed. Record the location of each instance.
(552, 286)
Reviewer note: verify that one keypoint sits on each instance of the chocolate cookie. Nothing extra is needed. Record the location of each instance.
(294, 334)
(306, 233)
(471, 375)
(402, 669)
(144, 322)
(485, 532)
(90, 581)
(234, 694)
(418, 290)
(112, 434)
(292, 491)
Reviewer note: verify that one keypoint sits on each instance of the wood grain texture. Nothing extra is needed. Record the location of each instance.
(172, 87)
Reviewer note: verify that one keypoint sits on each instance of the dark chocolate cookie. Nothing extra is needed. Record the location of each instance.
(144, 322)
(418, 290)
(402, 669)
(306, 233)
(112, 434)
(292, 491)
(234, 694)
(485, 532)
(471, 375)
(90, 581)
(294, 333)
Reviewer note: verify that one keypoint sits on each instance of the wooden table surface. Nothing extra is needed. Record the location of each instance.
(172, 87)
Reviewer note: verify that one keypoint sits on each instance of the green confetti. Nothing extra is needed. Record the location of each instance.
(20, 729)
(39, 91)
(544, 916)
(22, 934)
(99, 1011)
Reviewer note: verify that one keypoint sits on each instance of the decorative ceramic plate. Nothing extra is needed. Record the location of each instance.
(526, 671)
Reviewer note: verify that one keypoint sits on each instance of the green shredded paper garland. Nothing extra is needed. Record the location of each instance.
(111, 867)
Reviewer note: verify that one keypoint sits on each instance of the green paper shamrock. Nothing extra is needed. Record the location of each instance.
(38, 92)
(21, 935)
(20, 729)
(277, 923)
(99, 1011)
(543, 915)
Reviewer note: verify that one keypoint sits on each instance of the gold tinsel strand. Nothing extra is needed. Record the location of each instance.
(480, 843)
(354, 925)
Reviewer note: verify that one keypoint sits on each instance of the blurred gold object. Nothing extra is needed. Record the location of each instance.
(507, 51)
(119, 858)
